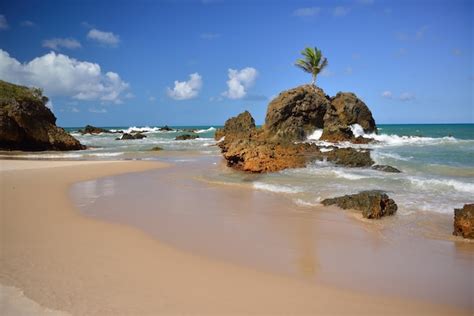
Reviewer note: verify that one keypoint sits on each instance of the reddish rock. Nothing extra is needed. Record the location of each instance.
(464, 221)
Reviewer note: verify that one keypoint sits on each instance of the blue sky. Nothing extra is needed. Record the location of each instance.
(199, 62)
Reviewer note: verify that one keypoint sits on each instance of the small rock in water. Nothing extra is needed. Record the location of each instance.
(186, 137)
(156, 148)
(464, 221)
(373, 204)
(127, 136)
(385, 168)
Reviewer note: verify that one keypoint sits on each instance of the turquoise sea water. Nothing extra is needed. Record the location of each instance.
(436, 160)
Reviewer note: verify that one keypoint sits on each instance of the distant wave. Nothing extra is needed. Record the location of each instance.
(210, 129)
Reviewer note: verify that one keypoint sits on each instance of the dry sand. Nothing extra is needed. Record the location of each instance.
(64, 261)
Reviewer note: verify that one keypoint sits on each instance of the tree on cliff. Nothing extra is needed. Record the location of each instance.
(313, 62)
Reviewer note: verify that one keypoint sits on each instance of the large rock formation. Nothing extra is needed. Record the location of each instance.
(464, 221)
(373, 204)
(298, 112)
(27, 124)
(250, 149)
(291, 117)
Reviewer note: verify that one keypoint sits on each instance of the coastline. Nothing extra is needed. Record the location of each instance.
(68, 262)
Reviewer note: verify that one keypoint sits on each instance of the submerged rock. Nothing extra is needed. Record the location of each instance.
(385, 168)
(373, 204)
(27, 124)
(129, 136)
(186, 137)
(464, 221)
(89, 129)
(156, 148)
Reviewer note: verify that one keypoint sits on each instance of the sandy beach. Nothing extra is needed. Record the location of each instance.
(67, 262)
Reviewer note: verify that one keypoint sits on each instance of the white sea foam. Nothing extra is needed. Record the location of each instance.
(325, 150)
(45, 156)
(276, 188)
(348, 175)
(377, 155)
(396, 140)
(210, 129)
(442, 183)
(107, 154)
(316, 135)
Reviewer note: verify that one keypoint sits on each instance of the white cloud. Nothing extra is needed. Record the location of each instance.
(50, 105)
(27, 23)
(407, 96)
(60, 75)
(105, 38)
(75, 110)
(327, 73)
(209, 36)
(3, 22)
(184, 90)
(341, 11)
(152, 99)
(387, 94)
(239, 81)
(305, 12)
(58, 43)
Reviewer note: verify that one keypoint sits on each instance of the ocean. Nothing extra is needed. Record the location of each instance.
(436, 160)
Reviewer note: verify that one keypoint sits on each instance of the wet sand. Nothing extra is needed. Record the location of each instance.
(68, 262)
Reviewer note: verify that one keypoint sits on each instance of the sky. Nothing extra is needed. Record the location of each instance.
(116, 63)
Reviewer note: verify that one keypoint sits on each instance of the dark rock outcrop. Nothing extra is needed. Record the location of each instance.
(130, 136)
(89, 129)
(186, 137)
(385, 168)
(373, 204)
(156, 148)
(242, 125)
(166, 128)
(27, 124)
(464, 221)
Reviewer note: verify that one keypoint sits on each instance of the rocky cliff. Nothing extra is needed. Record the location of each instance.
(27, 124)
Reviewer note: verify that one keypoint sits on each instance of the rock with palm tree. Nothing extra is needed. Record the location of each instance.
(291, 117)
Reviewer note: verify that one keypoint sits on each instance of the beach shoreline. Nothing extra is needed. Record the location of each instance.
(65, 261)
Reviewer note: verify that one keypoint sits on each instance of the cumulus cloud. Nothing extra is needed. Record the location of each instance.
(340, 11)
(58, 43)
(3, 22)
(239, 81)
(184, 90)
(105, 38)
(60, 75)
(387, 94)
(305, 12)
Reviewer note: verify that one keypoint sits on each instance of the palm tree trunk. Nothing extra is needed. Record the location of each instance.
(313, 81)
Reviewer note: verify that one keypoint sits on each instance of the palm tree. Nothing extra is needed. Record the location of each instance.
(313, 62)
